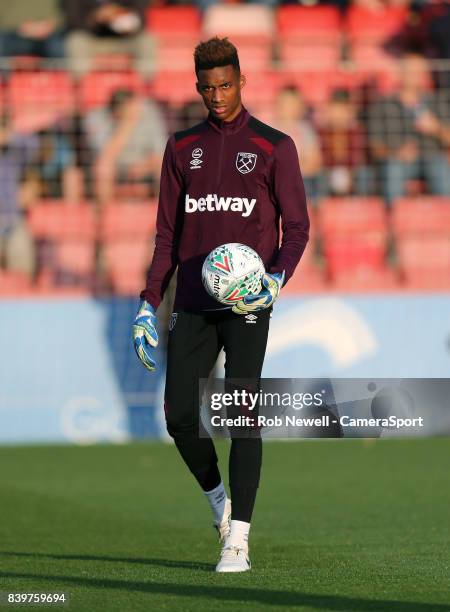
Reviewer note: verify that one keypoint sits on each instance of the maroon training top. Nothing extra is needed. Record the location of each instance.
(226, 182)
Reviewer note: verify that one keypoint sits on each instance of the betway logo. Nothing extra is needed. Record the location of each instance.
(212, 202)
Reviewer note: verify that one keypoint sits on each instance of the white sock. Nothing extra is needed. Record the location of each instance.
(239, 534)
(217, 498)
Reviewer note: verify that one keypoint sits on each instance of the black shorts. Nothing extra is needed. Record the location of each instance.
(195, 340)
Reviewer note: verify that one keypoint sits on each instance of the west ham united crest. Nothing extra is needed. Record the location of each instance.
(246, 162)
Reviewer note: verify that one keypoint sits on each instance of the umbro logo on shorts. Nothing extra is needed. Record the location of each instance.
(173, 320)
(251, 318)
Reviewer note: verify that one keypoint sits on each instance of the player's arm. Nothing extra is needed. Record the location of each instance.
(164, 260)
(289, 193)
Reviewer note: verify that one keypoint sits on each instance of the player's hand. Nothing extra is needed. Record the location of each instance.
(428, 124)
(271, 287)
(145, 337)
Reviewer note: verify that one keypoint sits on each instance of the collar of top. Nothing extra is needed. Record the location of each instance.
(230, 127)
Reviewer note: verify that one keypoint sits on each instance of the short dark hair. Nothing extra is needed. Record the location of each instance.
(119, 97)
(215, 52)
(341, 96)
(291, 88)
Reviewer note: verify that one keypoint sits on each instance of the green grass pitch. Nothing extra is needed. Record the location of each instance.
(339, 525)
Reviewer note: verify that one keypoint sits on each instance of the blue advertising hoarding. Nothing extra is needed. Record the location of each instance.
(69, 373)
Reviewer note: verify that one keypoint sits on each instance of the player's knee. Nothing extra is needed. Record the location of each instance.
(179, 425)
(177, 429)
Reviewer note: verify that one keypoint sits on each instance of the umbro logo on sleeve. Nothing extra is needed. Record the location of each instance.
(196, 162)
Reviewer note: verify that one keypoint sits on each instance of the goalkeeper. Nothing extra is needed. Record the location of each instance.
(227, 179)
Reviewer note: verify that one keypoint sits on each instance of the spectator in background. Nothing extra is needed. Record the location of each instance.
(439, 38)
(17, 251)
(410, 132)
(344, 146)
(31, 28)
(54, 168)
(99, 27)
(291, 117)
(188, 115)
(128, 140)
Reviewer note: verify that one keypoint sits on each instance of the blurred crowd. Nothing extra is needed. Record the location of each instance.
(359, 139)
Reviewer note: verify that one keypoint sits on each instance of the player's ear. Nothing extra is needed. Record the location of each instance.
(197, 87)
(242, 81)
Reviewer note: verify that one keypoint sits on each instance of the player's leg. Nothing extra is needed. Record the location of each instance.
(437, 173)
(245, 341)
(395, 174)
(193, 346)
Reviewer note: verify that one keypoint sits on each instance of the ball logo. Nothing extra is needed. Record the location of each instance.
(246, 162)
(196, 153)
(216, 285)
(236, 294)
(222, 262)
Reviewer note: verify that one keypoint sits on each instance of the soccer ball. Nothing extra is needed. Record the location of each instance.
(232, 271)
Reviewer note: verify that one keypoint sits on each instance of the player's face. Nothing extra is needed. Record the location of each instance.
(220, 89)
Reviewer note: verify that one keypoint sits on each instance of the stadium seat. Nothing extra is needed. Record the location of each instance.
(310, 280)
(316, 85)
(130, 192)
(298, 54)
(172, 21)
(20, 63)
(65, 235)
(112, 62)
(3, 95)
(174, 88)
(367, 30)
(14, 284)
(175, 54)
(56, 219)
(255, 54)
(427, 215)
(352, 216)
(346, 254)
(252, 22)
(128, 220)
(38, 99)
(315, 21)
(126, 261)
(309, 37)
(308, 276)
(260, 90)
(354, 234)
(375, 64)
(251, 29)
(424, 261)
(76, 256)
(96, 87)
(177, 32)
(366, 279)
(375, 25)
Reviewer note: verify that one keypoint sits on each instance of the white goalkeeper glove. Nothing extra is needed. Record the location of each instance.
(145, 337)
(271, 287)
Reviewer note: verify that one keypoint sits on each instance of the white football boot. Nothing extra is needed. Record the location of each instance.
(223, 528)
(233, 559)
